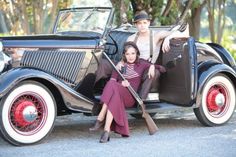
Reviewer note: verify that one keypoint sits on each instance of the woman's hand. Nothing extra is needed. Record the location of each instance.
(125, 83)
(119, 65)
(151, 71)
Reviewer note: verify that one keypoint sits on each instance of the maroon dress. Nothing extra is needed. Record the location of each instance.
(118, 97)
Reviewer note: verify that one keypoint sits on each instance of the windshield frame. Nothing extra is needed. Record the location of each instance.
(76, 33)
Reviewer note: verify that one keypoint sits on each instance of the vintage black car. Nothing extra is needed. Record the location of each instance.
(45, 76)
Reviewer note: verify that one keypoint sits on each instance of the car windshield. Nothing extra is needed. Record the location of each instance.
(82, 20)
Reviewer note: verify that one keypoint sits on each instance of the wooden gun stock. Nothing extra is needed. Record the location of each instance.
(152, 128)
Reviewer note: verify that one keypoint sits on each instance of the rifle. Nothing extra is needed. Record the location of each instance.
(152, 128)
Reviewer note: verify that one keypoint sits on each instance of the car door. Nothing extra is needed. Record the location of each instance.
(179, 84)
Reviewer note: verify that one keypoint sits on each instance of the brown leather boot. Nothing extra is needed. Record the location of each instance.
(98, 125)
(105, 137)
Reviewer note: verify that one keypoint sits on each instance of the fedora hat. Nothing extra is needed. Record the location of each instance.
(142, 15)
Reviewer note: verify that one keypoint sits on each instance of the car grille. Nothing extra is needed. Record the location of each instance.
(64, 64)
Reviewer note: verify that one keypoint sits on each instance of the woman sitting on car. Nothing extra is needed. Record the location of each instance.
(116, 96)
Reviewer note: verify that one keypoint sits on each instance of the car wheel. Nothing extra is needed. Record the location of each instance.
(217, 103)
(27, 113)
(139, 115)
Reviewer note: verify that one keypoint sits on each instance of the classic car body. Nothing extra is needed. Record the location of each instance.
(45, 76)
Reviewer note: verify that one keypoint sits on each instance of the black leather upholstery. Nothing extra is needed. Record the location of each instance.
(120, 38)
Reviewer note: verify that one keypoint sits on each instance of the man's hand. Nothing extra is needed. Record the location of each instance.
(119, 65)
(125, 83)
(174, 32)
(151, 71)
(166, 45)
(176, 27)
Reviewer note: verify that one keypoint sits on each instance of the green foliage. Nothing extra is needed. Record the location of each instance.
(229, 41)
(4, 34)
(154, 8)
(196, 3)
(29, 10)
(172, 16)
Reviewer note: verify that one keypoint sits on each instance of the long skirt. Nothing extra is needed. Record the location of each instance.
(105, 70)
(117, 98)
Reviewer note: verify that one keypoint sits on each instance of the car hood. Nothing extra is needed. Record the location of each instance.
(50, 41)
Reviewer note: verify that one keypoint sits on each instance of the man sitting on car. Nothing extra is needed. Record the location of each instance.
(149, 45)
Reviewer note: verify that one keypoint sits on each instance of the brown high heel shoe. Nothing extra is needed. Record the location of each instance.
(105, 137)
(98, 125)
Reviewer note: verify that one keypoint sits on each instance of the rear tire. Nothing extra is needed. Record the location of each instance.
(217, 102)
(27, 113)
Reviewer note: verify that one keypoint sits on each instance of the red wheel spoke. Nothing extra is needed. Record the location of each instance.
(27, 113)
(217, 99)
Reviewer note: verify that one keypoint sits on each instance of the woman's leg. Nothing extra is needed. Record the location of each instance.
(102, 113)
(109, 119)
(117, 98)
(100, 119)
(105, 137)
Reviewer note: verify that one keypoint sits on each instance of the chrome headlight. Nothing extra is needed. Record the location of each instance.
(4, 59)
(2, 63)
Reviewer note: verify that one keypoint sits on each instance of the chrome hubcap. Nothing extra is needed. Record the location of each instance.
(220, 100)
(216, 100)
(30, 114)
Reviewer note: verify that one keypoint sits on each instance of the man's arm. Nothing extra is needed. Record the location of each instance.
(174, 34)
(131, 37)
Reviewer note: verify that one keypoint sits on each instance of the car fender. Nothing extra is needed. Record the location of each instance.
(209, 69)
(72, 99)
(225, 55)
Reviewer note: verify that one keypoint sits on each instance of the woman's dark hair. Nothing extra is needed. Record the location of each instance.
(128, 45)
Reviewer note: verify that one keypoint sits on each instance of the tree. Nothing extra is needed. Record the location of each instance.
(39, 16)
(162, 12)
(217, 18)
(216, 9)
(34, 15)
(152, 7)
(194, 19)
(121, 9)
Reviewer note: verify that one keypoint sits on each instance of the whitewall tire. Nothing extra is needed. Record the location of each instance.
(27, 113)
(217, 102)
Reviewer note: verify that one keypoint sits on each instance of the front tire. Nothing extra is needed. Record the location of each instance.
(217, 102)
(27, 113)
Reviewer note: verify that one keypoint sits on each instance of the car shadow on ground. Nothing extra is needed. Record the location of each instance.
(76, 127)
(71, 128)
